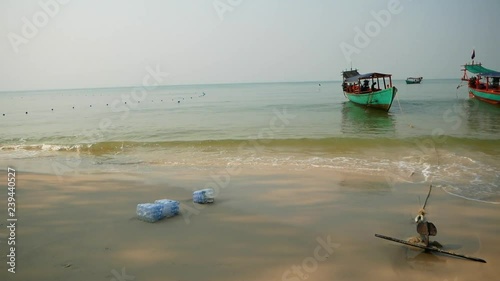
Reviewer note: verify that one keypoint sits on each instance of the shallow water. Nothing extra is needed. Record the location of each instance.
(433, 132)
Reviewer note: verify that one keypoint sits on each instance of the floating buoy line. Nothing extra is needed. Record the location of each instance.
(176, 100)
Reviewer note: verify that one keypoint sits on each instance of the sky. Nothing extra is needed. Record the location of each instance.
(68, 44)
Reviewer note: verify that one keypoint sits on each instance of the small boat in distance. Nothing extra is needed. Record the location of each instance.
(357, 89)
(485, 85)
(414, 80)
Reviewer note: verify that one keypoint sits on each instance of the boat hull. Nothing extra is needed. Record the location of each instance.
(381, 99)
(486, 96)
(413, 80)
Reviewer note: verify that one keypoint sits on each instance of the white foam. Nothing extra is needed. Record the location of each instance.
(471, 198)
(453, 169)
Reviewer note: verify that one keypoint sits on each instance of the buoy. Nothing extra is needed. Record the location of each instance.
(178, 101)
(106, 104)
(52, 109)
(90, 105)
(73, 107)
(26, 112)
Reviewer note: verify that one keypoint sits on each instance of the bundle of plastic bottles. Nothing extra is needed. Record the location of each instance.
(150, 212)
(170, 207)
(203, 196)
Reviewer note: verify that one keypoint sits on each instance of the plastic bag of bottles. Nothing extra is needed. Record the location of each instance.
(150, 212)
(170, 207)
(203, 196)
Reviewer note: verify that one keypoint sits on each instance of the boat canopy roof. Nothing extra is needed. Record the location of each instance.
(493, 74)
(366, 76)
(478, 68)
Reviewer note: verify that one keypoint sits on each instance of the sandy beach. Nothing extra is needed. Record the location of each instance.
(266, 224)
(298, 114)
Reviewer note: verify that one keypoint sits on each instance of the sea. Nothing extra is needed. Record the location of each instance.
(433, 133)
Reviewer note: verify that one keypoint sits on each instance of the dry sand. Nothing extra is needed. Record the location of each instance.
(267, 224)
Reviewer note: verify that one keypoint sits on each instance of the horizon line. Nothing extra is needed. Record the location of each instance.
(202, 84)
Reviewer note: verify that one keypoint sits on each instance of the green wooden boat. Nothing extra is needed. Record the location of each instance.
(358, 90)
(485, 86)
(492, 97)
(414, 80)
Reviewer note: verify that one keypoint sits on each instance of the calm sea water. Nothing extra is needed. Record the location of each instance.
(433, 131)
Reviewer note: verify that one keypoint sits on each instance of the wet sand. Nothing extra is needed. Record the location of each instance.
(266, 224)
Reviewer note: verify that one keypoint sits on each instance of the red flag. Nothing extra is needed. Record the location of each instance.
(473, 54)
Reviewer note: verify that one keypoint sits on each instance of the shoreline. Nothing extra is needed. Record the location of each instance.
(263, 222)
(469, 175)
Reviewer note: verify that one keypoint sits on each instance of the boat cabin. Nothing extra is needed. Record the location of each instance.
(486, 80)
(356, 83)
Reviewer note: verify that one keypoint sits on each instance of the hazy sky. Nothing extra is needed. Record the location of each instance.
(90, 43)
